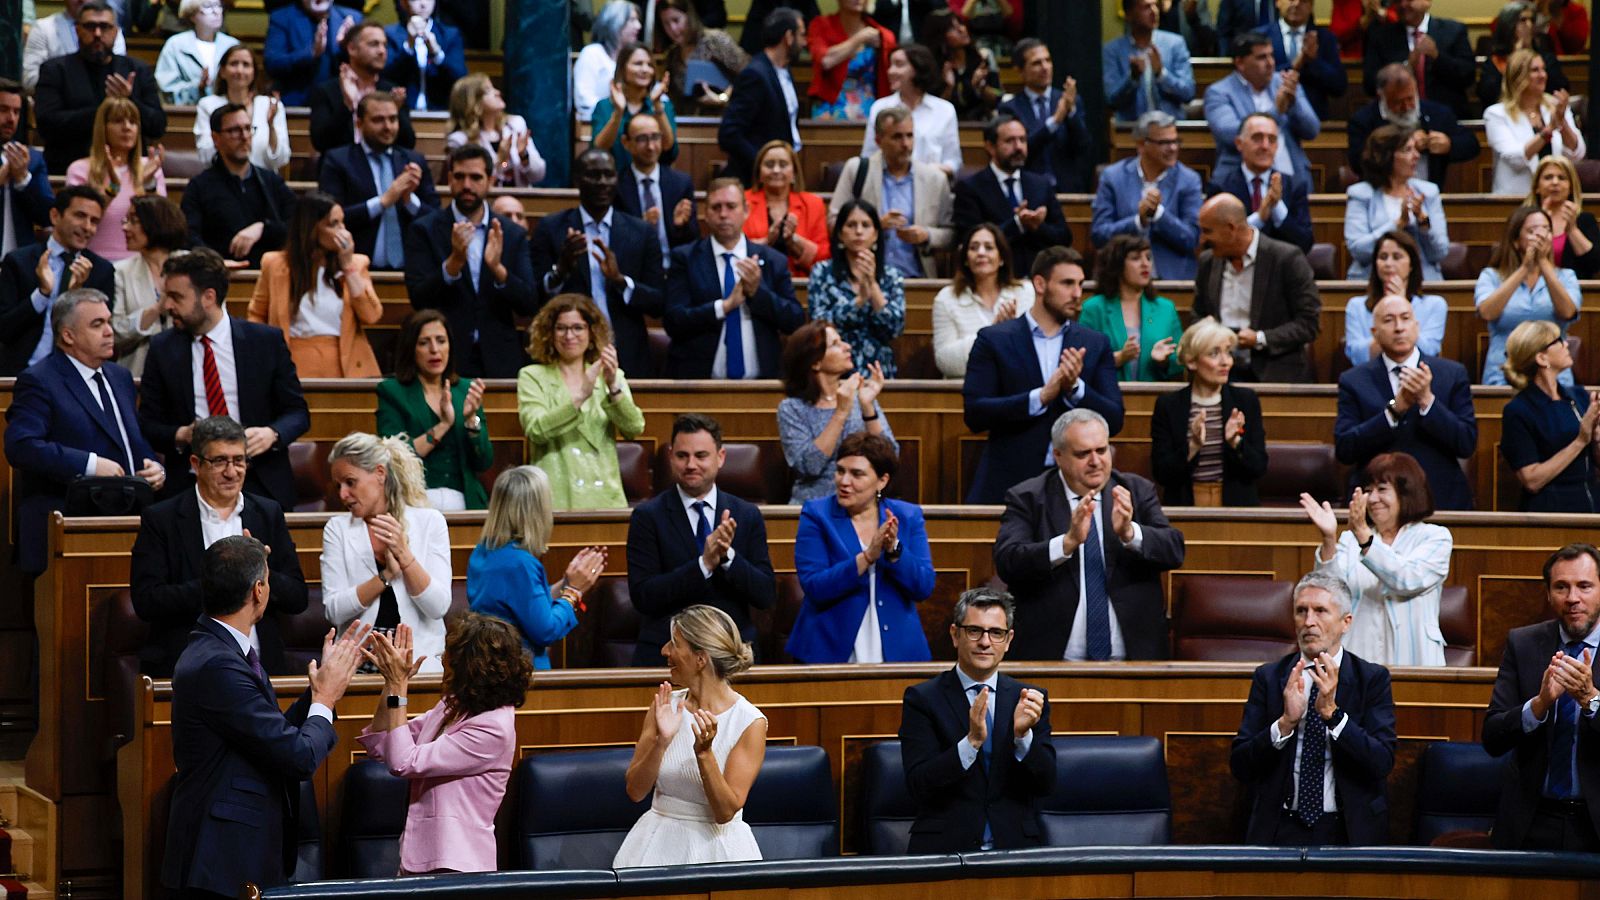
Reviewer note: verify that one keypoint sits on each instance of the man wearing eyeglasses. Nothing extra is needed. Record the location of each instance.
(237, 208)
(71, 88)
(175, 533)
(975, 743)
(1153, 195)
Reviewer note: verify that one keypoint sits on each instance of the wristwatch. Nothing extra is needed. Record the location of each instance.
(475, 423)
(1593, 706)
(1333, 721)
(395, 702)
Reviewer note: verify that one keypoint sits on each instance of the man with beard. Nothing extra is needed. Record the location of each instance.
(1022, 203)
(383, 188)
(72, 87)
(333, 102)
(1442, 139)
(303, 46)
(472, 265)
(53, 36)
(25, 196)
(237, 208)
(32, 276)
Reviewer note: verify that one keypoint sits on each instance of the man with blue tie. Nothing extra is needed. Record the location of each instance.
(1147, 68)
(382, 187)
(25, 195)
(660, 195)
(1545, 713)
(1299, 44)
(1059, 143)
(34, 275)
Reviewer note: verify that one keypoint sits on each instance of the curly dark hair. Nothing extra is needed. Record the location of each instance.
(1377, 157)
(542, 332)
(485, 667)
(1113, 259)
(804, 349)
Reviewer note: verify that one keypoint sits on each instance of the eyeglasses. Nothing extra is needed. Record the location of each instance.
(93, 27)
(1558, 340)
(645, 138)
(571, 329)
(1170, 142)
(975, 633)
(226, 462)
(239, 131)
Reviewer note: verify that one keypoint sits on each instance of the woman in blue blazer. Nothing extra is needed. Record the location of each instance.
(1392, 198)
(864, 565)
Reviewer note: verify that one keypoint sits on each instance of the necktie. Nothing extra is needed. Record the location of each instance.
(254, 659)
(1313, 741)
(1561, 781)
(985, 754)
(8, 227)
(648, 201)
(1097, 608)
(216, 400)
(702, 531)
(1294, 45)
(1255, 193)
(907, 36)
(597, 279)
(420, 48)
(110, 411)
(1041, 108)
(1422, 89)
(390, 250)
(1011, 191)
(732, 325)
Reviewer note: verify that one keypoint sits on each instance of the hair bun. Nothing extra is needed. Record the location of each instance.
(744, 660)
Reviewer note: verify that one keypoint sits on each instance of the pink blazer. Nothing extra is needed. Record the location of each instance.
(457, 782)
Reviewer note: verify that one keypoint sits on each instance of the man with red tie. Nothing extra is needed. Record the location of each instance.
(1277, 203)
(1436, 50)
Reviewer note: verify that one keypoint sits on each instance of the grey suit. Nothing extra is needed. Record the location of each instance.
(1284, 306)
(931, 191)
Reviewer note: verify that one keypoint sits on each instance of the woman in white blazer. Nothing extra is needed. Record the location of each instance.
(189, 60)
(386, 561)
(984, 291)
(154, 229)
(1392, 198)
(1528, 124)
(237, 82)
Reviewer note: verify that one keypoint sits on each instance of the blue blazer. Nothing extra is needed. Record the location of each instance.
(347, 176)
(756, 114)
(1173, 237)
(22, 326)
(510, 584)
(638, 253)
(981, 197)
(1296, 226)
(694, 284)
(1174, 87)
(825, 548)
(1366, 219)
(1002, 370)
(53, 424)
(1229, 101)
(672, 186)
(30, 206)
(1322, 77)
(1060, 154)
(483, 316)
(240, 761)
(1438, 440)
(404, 70)
(287, 51)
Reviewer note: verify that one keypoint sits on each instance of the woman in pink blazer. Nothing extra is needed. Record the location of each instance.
(458, 754)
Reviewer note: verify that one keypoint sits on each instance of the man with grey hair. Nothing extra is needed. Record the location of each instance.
(1083, 546)
(1317, 739)
(1442, 139)
(72, 415)
(913, 197)
(1153, 195)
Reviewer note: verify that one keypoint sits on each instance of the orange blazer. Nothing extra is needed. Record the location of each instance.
(270, 304)
(811, 218)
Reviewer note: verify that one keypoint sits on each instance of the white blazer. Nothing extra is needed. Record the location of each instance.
(178, 67)
(1395, 592)
(1509, 137)
(1367, 218)
(347, 561)
(957, 319)
(50, 37)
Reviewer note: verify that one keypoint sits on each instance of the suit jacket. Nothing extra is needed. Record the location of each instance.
(485, 311)
(1527, 655)
(30, 206)
(48, 39)
(1169, 448)
(1173, 236)
(333, 125)
(953, 803)
(982, 198)
(756, 114)
(270, 306)
(240, 760)
(1235, 17)
(1438, 440)
(694, 284)
(671, 187)
(287, 51)
(930, 189)
(1060, 154)
(269, 395)
(664, 575)
(1230, 100)
(69, 94)
(1323, 77)
(214, 204)
(1038, 510)
(167, 561)
(638, 252)
(1363, 753)
(1446, 77)
(1367, 220)
(21, 326)
(1284, 305)
(53, 424)
(1002, 369)
(1296, 226)
(439, 77)
(1174, 87)
(347, 175)
(1431, 116)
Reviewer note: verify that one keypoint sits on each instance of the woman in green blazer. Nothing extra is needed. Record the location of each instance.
(573, 402)
(1144, 327)
(449, 437)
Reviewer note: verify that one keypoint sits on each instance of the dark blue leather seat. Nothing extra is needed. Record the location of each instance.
(1458, 789)
(374, 815)
(1110, 791)
(572, 808)
(308, 865)
(886, 804)
(791, 807)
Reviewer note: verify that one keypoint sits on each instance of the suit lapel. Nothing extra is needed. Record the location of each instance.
(191, 536)
(956, 698)
(678, 521)
(1260, 283)
(1380, 377)
(242, 352)
(79, 389)
(706, 260)
(1057, 509)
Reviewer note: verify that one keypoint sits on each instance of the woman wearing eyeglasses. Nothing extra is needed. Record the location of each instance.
(1549, 429)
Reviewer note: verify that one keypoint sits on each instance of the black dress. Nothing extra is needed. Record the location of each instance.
(1533, 428)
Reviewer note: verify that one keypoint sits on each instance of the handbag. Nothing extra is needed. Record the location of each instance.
(107, 495)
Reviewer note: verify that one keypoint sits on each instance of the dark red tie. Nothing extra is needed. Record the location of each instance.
(1422, 61)
(216, 401)
(1255, 193)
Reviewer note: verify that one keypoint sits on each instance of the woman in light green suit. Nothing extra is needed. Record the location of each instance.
(1143, 327)
(573, 402)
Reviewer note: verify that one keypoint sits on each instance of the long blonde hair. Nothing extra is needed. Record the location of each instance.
(520, 511)
(1574, 188)
(1519, 68)
(403, 484)
(466, 104)
(101, 170)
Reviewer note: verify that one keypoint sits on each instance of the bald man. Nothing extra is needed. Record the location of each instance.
(1261, 288)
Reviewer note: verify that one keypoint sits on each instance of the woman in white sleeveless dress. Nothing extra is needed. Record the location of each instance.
(700, 751)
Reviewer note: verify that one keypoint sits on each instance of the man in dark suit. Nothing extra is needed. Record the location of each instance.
(210, 364)
(72, 87)
(660, 195)
(383, 188)
(608, 256)
(426, 56)
(976, 744)
(32, 276)
(1278, 204)
(1236, 17)
(1022, 374)
(753, 37)
(1544, 713)
(1059, 145)
(1319, 718)
(728, 299)
(696, 544)
(72, 415)
(235, 207)
(1082, 547)
(1424, 408)
(333, 102)
(1438, 46)
(472, 265)
(1299, 44)
(1005, 193)
(1397, 104)
(1261, 288)
(25, 196)
(765, 105)
(303, 43)
(241, 759)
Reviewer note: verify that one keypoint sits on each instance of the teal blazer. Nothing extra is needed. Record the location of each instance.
(1158, 319)
(402, 409)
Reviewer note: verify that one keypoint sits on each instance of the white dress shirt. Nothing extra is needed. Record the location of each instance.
(1279, 211)
(1238, 289)
(1330, 802)
(87, 374)
(221, 336)
(957, 319)
(321, 310)
(216, 524)
(747, 328)
(1410, 362)
(694, 523)
(593, 227)
(791, 100)
(934, 126)
(1078, 637)
(967, 753)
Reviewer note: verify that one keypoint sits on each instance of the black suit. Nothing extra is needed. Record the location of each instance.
(694, 285)
(1296, 226)
(269, 396)
(638, 253)
(219, 205)
(1172, 465)
(487, 310)
(1431, 116)
(756, 114)
(22, 326)
(671, 188)
(982, 198)
(1363, 753)
(333, 123)
(953, 804)
(1284, 306)
(1037, 510)
(664, 574)
(69, 94)
(1060, 154)
(347, 176)
(1446, 77)
(1438, 440)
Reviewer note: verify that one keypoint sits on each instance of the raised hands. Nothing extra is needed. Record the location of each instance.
(871, 387)
(1129, 351)
(393, 658)
(474, 399)
(1286, 90)
(1294, 699)
(1197, 431)
(844, 396)
(573, 253)
(1326, 676)
(664, 715)
(682, 212)
(978, 719)
(119, 85)
(1065, 378)
(719, 541)
(1163, 350)
(1031, 219)
(1359, 526)
(16, 162)
(659, 89)
(704, 726)
(387, 531)
(1274, 194)
(331, 678)
(884, 537)
(1149, 203)
(1233, 429)
(1078, 529)
(608, 367)
(1122, 514)
(585, 568)
(1030, 706)
(1005, 310)
(1321, 515)
(610, 269)
(155, 476)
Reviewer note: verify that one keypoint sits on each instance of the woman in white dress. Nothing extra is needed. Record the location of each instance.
(1528, 124)
(985, 290)
(700, 751)
(1394, 563)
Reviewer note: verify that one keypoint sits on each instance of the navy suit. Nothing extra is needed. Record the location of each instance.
(487, 311)
(953, 804)
(1060, 154)
(1431, 116)
(30, 206)
(54, 422)
(22, 326)
(671, 187)
(347, 176)
(638, 253)
(664, 575)
(1295, 228)
(404, 70)
(1438, 440)
(756, 114)
(982, 198)
(287, 51)
(240, 761)
(1363, 753)
(333, 125)
(1235, 17)
(694, 284)
(1002, 370)
(69, 95)
(1446, 77)
(1324, 76)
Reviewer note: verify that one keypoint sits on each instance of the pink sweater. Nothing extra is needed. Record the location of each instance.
(108, 241)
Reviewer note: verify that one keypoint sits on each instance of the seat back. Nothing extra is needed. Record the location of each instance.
(1229, 618)
(181, 163)
(1110, 791)
(302, 633)
(791, 809)
(373, 815)
(308, 864)
(773, 626)
(614, 628)
(633, 462)
(1458, 790)
(572, 811)
(886, 803)
(1455, 265)
(311, 477)
(1324, 262)
(122, 635)
(1293, 468)
(1459, 624)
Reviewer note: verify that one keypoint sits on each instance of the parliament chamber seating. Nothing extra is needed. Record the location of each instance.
(1324, 260)
(610, 628)
(886, 807)
(312, 480)
(572, 811)
(372, 818)
(1231, 618)
(754, 472)
(310, 857)
(1458, 791)
(791, 808)
(633, 464)
(1294, 467)
(1458, 622)
(1110, 791)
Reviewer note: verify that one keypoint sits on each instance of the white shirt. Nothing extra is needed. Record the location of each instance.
(1293, 39)
(694, 522)
(221, 336)
(1238, 287)
(933, 125)
(1330, 802)
(216, 524)
(262, 153)
(1410, 362)
(1279, 211)
(967, 753)
(591, 79)
(868, 646)
(747, 328)
(1078, 637)
(1411, 40)
(1147, 184)
(791, 100)
(1508, 137)
(87, 374)
(321, 310)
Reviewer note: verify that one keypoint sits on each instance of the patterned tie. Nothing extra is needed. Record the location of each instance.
(732, 325)
(1313, 743)
(390, 251)
(1255, 193)
(1294, 45)
(1011, 191)
(216, 400)
(254, 659)
(110, 411)
(702, 531)
(985, 754)
(1097, 609)
(1560, 780)
(597, 279)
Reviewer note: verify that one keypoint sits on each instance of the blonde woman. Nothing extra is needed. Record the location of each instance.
(118, 167)
(189, 59)
(1549, 430)
(478, 113)
(1208, 446)
(1575, 243)
(782, 213)
(387, 560)
(1528, 124)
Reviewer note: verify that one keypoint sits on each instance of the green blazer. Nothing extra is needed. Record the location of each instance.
(576, 447)
(1158, 319)
(403, 409)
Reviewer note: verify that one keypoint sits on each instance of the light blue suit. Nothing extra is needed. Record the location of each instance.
(1230, 100)
(1367, 218)
(1173, 235)
(1174, 87)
